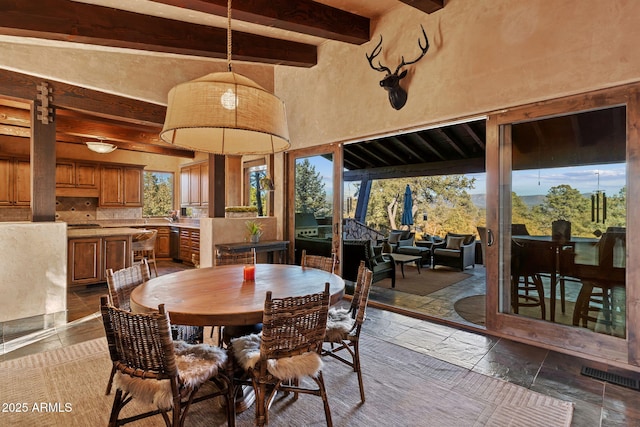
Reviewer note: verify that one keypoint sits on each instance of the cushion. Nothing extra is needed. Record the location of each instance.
(405, 234)
(372, 254)
(454, 242)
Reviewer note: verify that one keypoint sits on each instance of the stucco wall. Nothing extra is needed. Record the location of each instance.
(33, 272)
(485, 55)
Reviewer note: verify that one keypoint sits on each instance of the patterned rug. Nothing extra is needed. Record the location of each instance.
(65, 387)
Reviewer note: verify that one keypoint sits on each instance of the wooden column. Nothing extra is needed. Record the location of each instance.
(217, 184)
(43, 157)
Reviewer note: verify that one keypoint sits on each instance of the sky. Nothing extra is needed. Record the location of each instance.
(586, 179)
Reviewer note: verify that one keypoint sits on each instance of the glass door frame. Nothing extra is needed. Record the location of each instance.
(290, 163)
(549, 335)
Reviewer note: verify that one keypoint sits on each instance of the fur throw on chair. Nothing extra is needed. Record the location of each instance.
(339, 324)
(196, 364)
(247, 352)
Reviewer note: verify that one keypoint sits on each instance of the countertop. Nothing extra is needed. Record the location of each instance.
(101, 232)
(139, 223)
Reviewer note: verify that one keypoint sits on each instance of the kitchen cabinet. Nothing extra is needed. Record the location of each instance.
(77, 179)
(90, 257)
(77, 175)
(121, 186)
(194, 184)
(17, 173)
(189, 244)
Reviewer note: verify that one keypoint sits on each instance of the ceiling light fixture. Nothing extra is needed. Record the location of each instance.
(100, 146)
(225, 113)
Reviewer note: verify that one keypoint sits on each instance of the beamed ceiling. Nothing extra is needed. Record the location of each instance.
(273, 32)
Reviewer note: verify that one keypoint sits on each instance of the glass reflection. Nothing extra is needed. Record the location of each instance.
(569, 220)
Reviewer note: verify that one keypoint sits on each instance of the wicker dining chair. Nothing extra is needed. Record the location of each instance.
(143, 246)
(122, 282)
(318, 261)
(287, 351)
(344, 327)
(151, 368)
(225, 333)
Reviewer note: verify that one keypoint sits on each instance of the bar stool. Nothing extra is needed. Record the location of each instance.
(143, 245)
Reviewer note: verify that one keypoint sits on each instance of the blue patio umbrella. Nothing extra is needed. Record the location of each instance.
(407, 210)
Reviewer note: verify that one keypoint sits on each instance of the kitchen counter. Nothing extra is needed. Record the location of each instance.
(101, 232)
(141, 224)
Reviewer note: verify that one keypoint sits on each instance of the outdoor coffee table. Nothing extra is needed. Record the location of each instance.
(401, 260)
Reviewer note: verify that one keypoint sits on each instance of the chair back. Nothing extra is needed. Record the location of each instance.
(122, 282)
(364, 285)
(318, 261)
(227, 258)
(145, 241)
(530, 257)
(140, 344)
(293, 325)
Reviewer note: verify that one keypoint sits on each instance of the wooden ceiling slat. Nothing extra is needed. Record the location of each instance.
(301, 16)
(66, 20)
(407, 148)
(421, 139)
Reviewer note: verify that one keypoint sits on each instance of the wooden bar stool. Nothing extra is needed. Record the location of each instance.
(143, 245)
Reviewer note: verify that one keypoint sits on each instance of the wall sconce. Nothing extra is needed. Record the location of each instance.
(100, 147)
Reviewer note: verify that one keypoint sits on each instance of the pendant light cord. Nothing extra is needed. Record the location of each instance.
(229, 34)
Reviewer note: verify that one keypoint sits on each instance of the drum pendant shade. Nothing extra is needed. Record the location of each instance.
(225, 113)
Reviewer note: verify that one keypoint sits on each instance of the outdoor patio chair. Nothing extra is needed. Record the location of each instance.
(287, 351)
(457, 251)
(319, 262)
(157, 370)
(344, 326)
(122, 282)
(530, 261)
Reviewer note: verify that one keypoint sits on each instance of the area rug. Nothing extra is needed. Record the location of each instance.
(65, 387)
(426, 282)
(472, 309)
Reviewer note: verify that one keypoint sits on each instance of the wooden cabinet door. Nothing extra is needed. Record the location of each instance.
(133, 192)
(185, 245)
(117, 252)
(194, 243)
(163, 243)
(22, 193)
(194, 185)
(204, 184)
(184, 186)
(6, 178)
(65, 174)
(84, 261)
(111, 186)
(86, 175)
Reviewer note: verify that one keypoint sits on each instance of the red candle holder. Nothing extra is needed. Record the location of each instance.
(249, 273)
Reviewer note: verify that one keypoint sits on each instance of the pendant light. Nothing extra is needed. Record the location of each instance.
(225, 113)
(100, 146)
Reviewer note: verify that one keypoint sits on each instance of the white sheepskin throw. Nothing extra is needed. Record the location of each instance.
(247, 352)
(196, 364)
(339, 324)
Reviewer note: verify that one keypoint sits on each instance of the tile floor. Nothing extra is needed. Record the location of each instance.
(597, 403)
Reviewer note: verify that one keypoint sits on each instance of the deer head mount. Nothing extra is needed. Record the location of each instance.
(391, 81)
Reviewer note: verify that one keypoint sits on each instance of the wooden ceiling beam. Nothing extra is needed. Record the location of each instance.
(301, 16)
(101, 104)
(65, 20)
(427, 6)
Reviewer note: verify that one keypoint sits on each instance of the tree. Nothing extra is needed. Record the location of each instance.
(443, 199)
(567, 203)
(158, 194)
(311, 196)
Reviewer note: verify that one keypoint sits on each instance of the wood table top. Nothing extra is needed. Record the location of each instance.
(219, 296)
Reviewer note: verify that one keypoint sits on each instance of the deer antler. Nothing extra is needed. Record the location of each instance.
(375, 52)
(424, 49)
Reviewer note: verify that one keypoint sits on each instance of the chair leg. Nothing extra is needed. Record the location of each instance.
(110, 383)
(323, 394)
(358, 368)
(115, 409)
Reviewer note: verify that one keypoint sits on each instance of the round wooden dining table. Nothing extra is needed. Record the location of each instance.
(220, 296)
